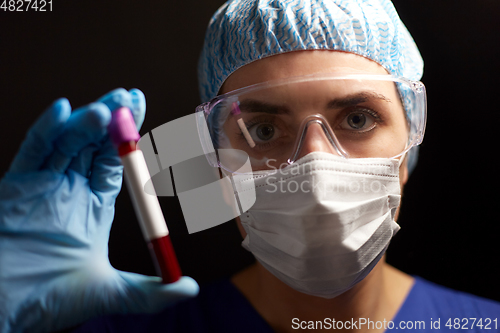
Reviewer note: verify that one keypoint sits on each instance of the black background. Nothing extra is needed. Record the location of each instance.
(450, 224)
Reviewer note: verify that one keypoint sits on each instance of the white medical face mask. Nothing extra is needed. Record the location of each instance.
(322, 224)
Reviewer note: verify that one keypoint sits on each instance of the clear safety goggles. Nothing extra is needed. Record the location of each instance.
(277, 122)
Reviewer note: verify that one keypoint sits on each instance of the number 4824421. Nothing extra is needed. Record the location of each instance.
(26, 5)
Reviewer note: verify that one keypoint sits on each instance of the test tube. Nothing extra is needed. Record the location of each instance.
(124, 135)
(237, 113)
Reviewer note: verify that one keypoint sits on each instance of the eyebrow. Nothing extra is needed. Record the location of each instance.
(357, 98)
(255, 106)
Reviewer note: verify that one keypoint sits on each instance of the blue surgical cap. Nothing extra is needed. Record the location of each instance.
(243, 31)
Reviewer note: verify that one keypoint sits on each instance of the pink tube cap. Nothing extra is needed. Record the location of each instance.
(122, 127)
(236, 109)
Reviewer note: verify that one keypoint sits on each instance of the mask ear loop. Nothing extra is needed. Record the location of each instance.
(320, 120)
(401, 160)
(403, 156)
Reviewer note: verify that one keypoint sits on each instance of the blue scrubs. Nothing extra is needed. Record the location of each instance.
(220, 307)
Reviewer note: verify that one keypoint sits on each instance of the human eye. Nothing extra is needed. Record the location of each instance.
(264, 131)
(360, 120)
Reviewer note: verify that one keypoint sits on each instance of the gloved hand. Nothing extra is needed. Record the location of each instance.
(56, 209)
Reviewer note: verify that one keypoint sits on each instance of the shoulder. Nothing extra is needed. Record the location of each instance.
(443, 300)
(429, 303)
(219, 307)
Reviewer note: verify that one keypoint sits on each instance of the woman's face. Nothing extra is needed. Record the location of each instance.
(366, 116)
(313, 62)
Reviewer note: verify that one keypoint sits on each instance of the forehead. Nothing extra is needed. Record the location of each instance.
(299, 63)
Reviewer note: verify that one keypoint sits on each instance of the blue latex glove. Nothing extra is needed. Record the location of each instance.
(56, 209)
